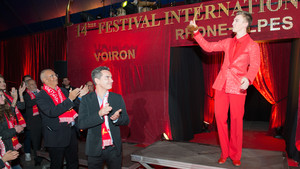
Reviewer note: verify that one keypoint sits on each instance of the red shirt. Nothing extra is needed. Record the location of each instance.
(242, 59)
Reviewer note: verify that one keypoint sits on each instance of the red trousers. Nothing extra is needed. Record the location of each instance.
(230, 147)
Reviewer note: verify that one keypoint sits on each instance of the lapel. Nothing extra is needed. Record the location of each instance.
(110, 103)
(109, 98)
(65, 92)
(94, 101)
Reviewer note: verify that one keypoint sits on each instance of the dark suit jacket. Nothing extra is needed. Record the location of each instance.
(7, 134)
(55, 134)
(2, 165)
(31, 121)
(90, 119)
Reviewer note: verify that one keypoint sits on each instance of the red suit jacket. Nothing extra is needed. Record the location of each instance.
(243, 62)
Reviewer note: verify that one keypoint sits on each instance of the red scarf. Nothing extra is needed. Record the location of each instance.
(105, 132)
(58, 97)
(2, 147)
(11, 122)
(35, 109)
(21, 120)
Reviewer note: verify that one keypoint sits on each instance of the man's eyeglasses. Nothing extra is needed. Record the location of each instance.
(54, 75)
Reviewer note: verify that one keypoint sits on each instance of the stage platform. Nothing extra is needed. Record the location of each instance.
(187, 155)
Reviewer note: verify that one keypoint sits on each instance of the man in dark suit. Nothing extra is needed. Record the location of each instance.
(58, 120)
(102, 112)
(27, 133)
(33, 118)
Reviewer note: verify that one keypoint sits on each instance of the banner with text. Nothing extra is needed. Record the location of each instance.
(137, 47)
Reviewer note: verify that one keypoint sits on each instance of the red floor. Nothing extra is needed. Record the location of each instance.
(251, 139)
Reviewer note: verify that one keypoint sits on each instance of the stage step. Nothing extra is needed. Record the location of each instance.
(185, 155)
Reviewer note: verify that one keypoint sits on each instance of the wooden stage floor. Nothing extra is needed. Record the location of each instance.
(187, 155)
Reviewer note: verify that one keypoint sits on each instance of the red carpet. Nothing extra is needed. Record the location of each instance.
(251, 139)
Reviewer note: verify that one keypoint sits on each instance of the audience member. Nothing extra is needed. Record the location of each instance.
(12, 98)
(9, 127)
(102, 112)
(66, 84)
(27, 133)
(90, 86)
(6, 156)
(25, 78)
(58, 120)
(33, 119)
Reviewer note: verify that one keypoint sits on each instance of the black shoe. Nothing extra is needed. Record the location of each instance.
(37, 163)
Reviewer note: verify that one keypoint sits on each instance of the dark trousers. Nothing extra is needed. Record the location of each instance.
(36, 135)
(15, 162)
(109, 155)
(70, 152)
(27, 141)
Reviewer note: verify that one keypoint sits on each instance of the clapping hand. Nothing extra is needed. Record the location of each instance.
(10, 155)
(14, 93)
(74, 93)
(105, 110)
(22, 88)
(19, 128)
(116, 115)
(83, 91)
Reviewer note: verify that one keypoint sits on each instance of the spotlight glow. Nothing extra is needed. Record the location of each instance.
(165, 136)
(124, 3)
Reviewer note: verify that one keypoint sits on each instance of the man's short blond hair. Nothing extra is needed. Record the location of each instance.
(246, 15)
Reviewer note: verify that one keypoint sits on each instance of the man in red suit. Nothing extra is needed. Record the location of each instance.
(240, 66)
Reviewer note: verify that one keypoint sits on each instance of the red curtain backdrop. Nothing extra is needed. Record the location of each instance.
(31, 54)
(142, 79)
(272, 79)
(211, 66)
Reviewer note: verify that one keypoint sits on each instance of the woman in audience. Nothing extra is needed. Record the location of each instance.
(12, 97)
(9, 128)
(6, 156)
